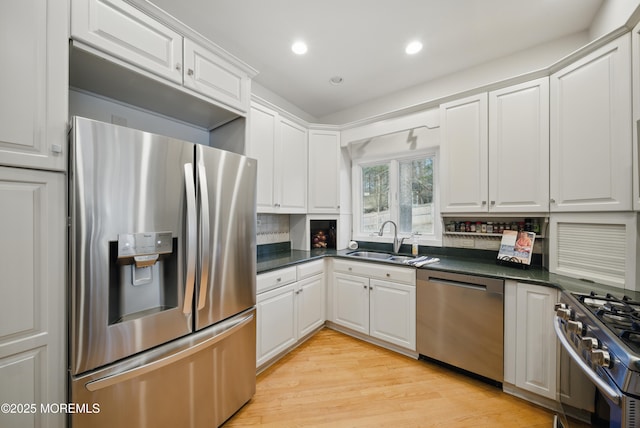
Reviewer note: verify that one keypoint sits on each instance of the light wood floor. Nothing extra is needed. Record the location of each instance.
(334, 380)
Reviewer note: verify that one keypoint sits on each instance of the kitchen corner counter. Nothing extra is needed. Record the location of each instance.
(481, 266)
(273, 261)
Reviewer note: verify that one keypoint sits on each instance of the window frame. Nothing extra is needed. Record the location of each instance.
(434, 239)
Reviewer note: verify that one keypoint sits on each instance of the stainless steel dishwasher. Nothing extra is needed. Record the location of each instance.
(460, 321)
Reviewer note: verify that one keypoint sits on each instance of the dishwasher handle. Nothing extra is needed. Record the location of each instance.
(477, 283)
(458, 284)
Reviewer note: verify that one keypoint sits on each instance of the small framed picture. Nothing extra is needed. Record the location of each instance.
(516, 247)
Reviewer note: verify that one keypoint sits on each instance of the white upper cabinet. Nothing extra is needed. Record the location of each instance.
(291, 167)
(519, 148)
(262, 142)
(208, 74)
(324, 172)
(495, 150)
(635, 58)
(33, 84)
(280, 146)
(464, 171)
(591, 143)
(125, 32)
(138, 42)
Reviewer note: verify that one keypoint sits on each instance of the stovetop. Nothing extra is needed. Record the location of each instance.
(620, 315)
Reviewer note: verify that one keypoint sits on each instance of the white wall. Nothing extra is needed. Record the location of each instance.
(612, 15)
(533, 59)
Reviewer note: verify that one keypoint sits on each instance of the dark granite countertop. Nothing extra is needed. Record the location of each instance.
(457, 262)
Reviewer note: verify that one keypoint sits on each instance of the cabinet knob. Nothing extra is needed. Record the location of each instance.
(484, 203)
(178, 66)
(493, 203)
(388, 275)
(553, 201)
(190, 72)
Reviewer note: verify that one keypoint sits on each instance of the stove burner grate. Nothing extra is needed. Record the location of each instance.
(621, 316)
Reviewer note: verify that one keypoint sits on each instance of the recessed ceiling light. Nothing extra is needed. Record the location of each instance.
(413, 48)
(299, 48)
(336, 80)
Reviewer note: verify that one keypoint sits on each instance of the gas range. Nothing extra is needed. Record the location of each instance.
(601, 333)
(605, 330)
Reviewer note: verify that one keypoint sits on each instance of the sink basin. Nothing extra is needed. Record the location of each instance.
(400, 259)
(370, 255)
(376, 255)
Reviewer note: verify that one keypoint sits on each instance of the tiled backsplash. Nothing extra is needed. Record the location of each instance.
(272, 228)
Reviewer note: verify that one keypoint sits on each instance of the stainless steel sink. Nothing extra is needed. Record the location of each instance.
(377, 255)
(400, 259)
(370, 255)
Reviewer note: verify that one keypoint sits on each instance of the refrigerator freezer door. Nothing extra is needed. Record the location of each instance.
(128, 195)
(227, 281)
(198, 381)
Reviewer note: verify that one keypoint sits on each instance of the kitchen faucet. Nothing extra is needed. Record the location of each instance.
(396, 242)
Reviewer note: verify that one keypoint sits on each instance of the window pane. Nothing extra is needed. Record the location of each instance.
(375, 197)
(415, 196)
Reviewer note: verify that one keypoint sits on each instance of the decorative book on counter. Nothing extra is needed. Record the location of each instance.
(516, 247)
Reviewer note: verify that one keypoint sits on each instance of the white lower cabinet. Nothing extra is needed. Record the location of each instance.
(291, 310)
(32, 296)
(531, 350)
(377, 307)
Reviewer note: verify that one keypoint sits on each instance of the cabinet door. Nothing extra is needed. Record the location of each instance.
(324, 172)
(519, 148)
(393, 313)
(210, 75)
(34, 84)
(311, 304)
(590, 148)
(635, 66)
(277, 320)
(261, 146)
(464, 149)
(291, 168)
(32, 295)
(351, 302)
(112, 25)
(536, 343)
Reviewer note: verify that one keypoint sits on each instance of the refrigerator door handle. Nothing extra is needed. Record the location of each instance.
(163, 361)
(192, 236)
(205, 230)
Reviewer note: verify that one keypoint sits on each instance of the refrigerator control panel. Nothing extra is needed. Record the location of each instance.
(142, 244)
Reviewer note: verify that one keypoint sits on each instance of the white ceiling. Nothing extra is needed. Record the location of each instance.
(363, 40)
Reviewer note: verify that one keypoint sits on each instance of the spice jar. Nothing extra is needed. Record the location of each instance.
(489, 227)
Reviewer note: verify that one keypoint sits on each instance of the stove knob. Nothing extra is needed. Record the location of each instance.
(574, 327)
(589, 343)
(600, 357)
(563, 313)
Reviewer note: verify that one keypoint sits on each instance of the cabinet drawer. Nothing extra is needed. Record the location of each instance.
(270, 280)
(382, 271)
(309, 269)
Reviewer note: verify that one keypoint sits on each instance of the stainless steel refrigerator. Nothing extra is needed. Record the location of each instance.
(162, 297)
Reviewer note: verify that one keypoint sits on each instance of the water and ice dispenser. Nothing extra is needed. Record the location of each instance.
(143, 275)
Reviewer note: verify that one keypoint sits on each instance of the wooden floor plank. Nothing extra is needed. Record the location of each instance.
(334, 380)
